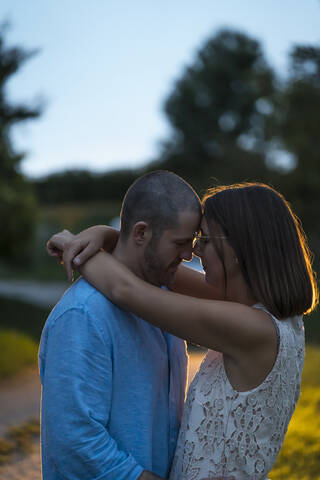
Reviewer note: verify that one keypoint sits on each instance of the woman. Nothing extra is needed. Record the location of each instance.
(240, 402)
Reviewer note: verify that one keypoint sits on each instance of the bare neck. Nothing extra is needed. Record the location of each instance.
(129, 256)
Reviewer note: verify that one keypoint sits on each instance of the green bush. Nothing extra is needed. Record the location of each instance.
(23, 317)
(17, 350)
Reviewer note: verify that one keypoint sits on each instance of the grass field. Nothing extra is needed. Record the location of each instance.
(299, 458)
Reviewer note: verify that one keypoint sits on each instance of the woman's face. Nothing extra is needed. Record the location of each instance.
(211, 262)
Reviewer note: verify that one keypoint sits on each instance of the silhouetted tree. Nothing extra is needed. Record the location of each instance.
(232, 119)
(297, 128)
(17, 205)
(217, 111)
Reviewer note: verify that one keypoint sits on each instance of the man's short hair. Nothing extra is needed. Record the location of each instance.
(157, 198)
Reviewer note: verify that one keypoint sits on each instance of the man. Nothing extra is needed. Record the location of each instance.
(113, 386)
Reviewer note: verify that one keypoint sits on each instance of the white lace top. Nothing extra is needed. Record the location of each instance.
(229, 433)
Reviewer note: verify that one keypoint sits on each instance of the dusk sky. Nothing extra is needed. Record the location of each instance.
(104, 69)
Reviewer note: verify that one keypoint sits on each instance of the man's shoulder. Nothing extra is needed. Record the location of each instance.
(83, 297)
(81, 293)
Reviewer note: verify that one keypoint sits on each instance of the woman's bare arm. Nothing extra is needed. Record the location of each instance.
(193, 283)
(77, 249)
(228, 327)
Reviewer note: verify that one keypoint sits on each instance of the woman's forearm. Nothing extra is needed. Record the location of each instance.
(219, 325)
(123, 288)
(193, 283)
(109, 276)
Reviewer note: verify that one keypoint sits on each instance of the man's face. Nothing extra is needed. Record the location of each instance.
(163, 255)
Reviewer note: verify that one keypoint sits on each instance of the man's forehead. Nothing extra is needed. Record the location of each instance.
(188, 223)
(186, 217)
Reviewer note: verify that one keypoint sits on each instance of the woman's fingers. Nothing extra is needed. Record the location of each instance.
(51, 251)
(57, 245)
(67, 263)
(71, 250)
(60, 240)
(84, 246)
(90, 249)
(74, 250)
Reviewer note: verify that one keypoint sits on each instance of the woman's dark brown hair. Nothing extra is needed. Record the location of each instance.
(269, 243)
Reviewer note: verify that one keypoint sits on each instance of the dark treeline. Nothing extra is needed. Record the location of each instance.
(74, 186)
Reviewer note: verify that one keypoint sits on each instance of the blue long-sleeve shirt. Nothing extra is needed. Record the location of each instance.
(113, 389)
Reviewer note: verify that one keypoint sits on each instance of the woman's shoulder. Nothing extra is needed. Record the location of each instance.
(290, 330)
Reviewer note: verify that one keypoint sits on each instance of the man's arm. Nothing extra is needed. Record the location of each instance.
(76, 402)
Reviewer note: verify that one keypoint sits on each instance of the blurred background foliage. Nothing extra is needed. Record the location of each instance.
(17, 201)
(232, 118)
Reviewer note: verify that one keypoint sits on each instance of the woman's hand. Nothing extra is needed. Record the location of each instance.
(74, 250)
(57, 245)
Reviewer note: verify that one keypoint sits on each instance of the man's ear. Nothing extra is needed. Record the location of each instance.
(141, 233)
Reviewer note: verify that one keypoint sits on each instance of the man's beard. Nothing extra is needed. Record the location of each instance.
(156, 270)
(154, 267)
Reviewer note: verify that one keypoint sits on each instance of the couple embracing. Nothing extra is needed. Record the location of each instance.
(113, 362)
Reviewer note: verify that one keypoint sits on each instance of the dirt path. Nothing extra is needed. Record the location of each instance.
(19, 399)
(28, 468)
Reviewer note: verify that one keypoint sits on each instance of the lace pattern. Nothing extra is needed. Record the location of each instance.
(225, 432)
